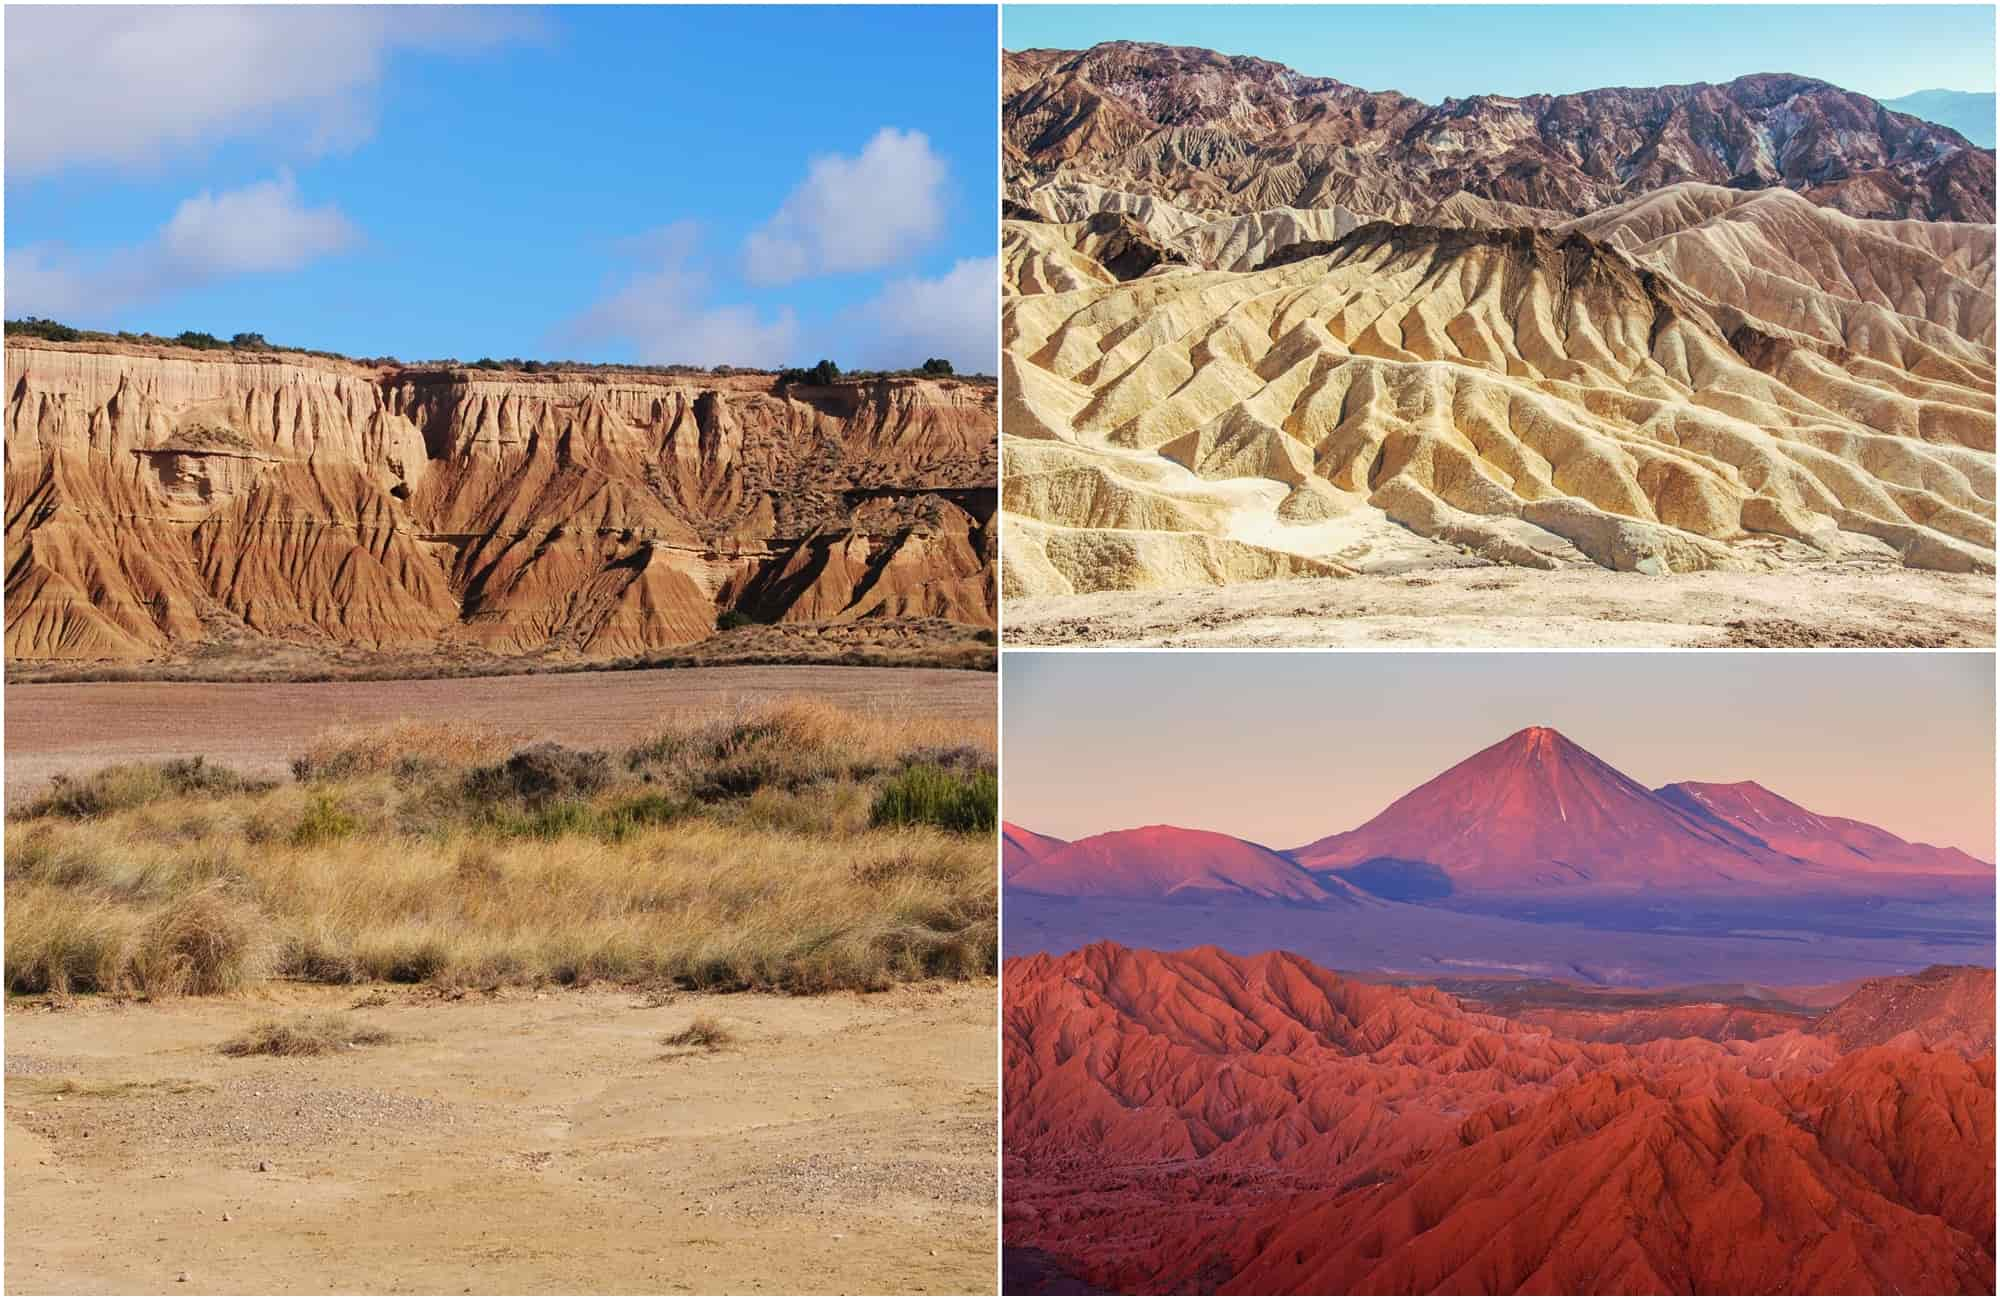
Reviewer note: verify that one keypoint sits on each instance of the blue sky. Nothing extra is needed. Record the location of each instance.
(1434, 52)
(742, 185)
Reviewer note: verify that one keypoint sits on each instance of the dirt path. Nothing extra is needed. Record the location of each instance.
(258, 727)
(522, 1142)
(1502, 607)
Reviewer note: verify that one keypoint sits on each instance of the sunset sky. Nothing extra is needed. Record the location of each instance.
(1283, 748)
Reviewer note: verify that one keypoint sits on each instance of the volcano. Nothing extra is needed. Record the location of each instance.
(1170, 862)
(1538, 811)
(1830, 841)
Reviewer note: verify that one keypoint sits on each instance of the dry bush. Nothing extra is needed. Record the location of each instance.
(704, 1032)
(203, 943)
(407, 746)
(313, 1034)
(134, 785)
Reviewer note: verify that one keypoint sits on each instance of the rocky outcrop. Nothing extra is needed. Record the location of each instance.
(1215, 133)
(159, 498)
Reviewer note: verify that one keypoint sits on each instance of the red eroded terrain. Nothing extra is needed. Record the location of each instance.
(1198, 1121)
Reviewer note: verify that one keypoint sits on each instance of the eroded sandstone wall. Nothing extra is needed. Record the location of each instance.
(158, 498)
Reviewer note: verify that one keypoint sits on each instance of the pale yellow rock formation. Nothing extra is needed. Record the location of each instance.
(1652, 388)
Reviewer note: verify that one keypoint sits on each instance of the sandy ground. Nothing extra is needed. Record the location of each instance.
(1499, 607)
(258, 727)
(520, 1142)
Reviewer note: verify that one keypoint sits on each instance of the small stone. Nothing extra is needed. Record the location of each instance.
(263, 1166)
(225, 1216)
(180, 1277)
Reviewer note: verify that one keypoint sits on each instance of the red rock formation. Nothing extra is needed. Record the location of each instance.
(1196, 1121)
(158, 498)
(1949, 1006)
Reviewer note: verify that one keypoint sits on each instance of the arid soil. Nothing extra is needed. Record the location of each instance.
(258, 728)
(522, 1142)
(1499, 606)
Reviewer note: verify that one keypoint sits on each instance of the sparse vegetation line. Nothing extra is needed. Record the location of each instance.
(796, 847)
(247, 342)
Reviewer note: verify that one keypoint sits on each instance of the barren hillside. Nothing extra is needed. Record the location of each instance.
(1262, 326)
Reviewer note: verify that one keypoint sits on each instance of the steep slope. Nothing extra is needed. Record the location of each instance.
(1214, 132)
(1019, 846)
(1828, 841)
(1173, 863)
(158, 498)
(1200, 1122)
(1537, 811)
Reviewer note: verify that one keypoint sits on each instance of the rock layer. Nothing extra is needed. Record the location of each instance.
(158, 499)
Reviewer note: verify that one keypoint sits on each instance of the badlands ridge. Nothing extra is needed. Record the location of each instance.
(1201, 1122)
(161, 500)
(1264, 326)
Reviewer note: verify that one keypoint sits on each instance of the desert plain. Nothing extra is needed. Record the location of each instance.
(477, 984)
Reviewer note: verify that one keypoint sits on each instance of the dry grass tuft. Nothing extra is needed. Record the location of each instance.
(313, 1034)
(704, 1032)
(407, 746)
(729, 852)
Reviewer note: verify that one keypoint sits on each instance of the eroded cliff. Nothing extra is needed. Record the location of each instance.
(160, 499)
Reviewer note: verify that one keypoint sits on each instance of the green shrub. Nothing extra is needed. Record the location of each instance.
(731, 619)
(36, 328)
(324, 822)
(932, 796)
(554, 821)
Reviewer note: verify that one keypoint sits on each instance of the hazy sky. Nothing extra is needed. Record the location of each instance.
(1283, 748)
(1434, 52)
(756, 186)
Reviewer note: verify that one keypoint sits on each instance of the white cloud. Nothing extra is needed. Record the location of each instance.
(260, 228)
(853, 214)
(116, 86)
(954, 316)
(664, 314)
